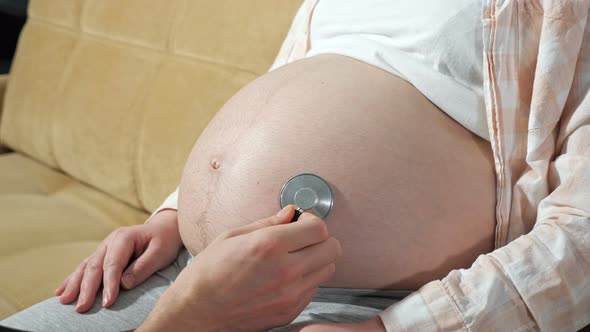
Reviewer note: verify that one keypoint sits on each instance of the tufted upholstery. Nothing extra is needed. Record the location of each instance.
(103, 103)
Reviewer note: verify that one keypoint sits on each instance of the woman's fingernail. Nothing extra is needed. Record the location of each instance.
(79, 305)
(285, 211)
(105, 298)
(128, 281)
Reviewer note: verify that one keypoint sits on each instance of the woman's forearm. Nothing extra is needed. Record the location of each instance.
(164, 216)
(169, 204)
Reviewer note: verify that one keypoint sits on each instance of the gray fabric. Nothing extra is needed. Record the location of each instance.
(345, 305)
(133, 306)
(128, 312)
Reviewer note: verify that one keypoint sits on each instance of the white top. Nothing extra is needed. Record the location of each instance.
(435, 45)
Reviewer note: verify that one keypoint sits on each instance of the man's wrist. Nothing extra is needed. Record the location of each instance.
(373, 324)
(160, 323)
(168, 315)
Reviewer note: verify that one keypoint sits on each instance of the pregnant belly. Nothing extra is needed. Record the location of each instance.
(414, 191)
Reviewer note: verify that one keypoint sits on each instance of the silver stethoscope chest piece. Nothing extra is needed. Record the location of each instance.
(309, 192)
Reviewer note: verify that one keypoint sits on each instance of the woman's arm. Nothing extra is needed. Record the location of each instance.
(170, 203)
(540, 280)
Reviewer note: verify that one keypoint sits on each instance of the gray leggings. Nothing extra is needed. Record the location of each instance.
(133, 306)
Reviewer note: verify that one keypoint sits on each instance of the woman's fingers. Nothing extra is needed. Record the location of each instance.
(91, 280)
(314, 257)
(148, 263)
(116, 259)
(59, 290)
(72, 289)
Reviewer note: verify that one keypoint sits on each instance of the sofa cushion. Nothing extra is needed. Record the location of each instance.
(48, 224)
(115, 93)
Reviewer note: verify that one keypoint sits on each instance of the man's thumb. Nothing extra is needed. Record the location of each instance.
(283, 217)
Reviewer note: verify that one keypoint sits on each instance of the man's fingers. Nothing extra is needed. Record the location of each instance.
(315, 278)
(91, 281)
(307, 231)
(314, 257)
(306, 297)
(144, 266)
(116, 259)
(282, 217)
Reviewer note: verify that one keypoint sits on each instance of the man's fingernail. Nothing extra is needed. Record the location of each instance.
(105, 298)
(128, 280)
(285, 211)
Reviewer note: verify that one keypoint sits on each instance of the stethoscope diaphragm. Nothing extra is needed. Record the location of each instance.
(310, 193)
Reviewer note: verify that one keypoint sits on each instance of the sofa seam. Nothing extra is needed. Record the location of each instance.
(161, 53)
(52, 106)
(138, 173)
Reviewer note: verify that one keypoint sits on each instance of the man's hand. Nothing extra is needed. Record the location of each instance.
(149, 248)
(371, 325)
(251, 278)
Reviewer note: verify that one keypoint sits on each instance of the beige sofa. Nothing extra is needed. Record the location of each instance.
(102, 105)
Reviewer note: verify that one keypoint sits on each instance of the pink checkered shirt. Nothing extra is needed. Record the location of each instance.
(536, 86)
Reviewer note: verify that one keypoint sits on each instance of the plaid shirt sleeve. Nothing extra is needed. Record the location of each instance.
(539, 281)
(537, 59)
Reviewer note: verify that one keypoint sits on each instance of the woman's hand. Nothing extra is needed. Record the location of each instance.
(250, 278)
(372, 325)
(149, 248)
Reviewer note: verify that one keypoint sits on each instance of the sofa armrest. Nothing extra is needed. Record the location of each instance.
(3, 83)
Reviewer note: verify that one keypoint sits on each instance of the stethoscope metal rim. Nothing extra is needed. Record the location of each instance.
(327, 203)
